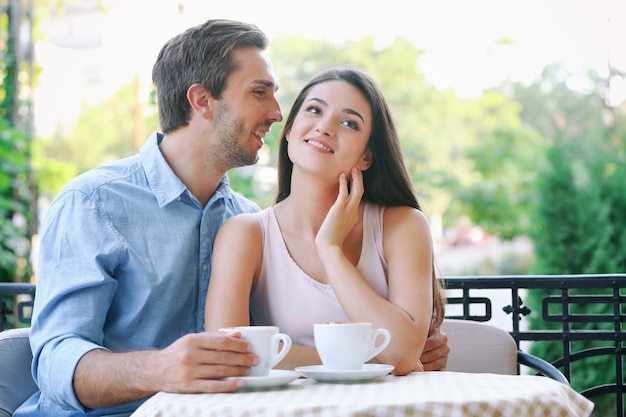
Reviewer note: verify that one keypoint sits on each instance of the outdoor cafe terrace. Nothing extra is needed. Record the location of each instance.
(582, 315)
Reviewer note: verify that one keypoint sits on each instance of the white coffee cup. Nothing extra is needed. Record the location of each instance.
(347, 346)
(265, 342)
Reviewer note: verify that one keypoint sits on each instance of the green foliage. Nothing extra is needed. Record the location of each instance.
(15, 193)
(559, 231)
(578, 221)
(104, 131)
(15, 199)
(50, 172)
(256, 183)
(500, 193)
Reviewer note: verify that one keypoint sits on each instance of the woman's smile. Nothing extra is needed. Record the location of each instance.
(320, 145)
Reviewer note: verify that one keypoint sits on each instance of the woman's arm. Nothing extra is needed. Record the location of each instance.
(236, 261)
(408, 250)
(237, 257)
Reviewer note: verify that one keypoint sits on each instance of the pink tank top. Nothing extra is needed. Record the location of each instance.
(285, 296)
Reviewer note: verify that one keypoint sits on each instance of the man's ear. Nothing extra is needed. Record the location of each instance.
(200, 100)
(366, 160)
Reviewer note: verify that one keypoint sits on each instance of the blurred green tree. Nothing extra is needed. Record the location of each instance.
(105, 131)
(17, 211)
(578, 220)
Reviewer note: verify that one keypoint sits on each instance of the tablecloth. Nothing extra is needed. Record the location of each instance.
(427, 394)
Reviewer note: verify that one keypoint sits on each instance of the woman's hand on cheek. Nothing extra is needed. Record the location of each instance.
(344, 213)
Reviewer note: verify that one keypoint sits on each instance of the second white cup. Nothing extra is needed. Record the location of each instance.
(265, 342)
(347, 346)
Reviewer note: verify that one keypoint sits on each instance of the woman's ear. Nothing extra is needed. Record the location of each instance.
(200, 100)
(366, 160)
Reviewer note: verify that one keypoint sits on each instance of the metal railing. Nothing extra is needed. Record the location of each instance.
(16, 300)
(563, 304)
(583, 319)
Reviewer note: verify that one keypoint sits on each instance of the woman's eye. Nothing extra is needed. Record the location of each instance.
(314, 109)
(351, 124)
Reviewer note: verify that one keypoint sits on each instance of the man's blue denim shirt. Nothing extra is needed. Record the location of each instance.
(125, 261)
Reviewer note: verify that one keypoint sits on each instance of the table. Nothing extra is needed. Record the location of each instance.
(427, 394)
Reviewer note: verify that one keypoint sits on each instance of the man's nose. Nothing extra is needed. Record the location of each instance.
(276, 115)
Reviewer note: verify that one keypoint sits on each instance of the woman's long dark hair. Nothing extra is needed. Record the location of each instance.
(386, 181)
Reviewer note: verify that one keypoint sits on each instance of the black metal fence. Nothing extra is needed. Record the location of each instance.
(16, 304)
(574, 308)
(482, 298)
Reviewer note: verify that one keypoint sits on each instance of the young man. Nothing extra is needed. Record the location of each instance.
(126, 248)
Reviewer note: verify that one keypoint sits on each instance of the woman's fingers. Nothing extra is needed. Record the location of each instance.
(343, 187)
(356, 185)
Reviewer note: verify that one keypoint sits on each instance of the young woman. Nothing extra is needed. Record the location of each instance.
(346, 239)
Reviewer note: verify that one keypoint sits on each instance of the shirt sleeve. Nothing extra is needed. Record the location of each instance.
(75, 286)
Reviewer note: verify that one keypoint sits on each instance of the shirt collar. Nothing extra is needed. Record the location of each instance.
(166, 186)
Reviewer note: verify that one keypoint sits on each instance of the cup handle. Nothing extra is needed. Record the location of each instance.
(375, 350)
(278, 356)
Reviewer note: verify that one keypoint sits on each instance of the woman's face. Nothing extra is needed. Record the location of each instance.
(330, 131)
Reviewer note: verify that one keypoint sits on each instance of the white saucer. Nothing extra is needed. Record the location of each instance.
(277, 377)
(368, 372)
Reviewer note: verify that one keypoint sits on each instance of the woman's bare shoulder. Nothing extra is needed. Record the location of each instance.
(399, 215)
(245, 225)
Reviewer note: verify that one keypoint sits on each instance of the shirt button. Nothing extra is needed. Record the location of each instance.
(205, 267)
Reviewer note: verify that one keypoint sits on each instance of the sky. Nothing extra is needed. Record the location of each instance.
(460, 38)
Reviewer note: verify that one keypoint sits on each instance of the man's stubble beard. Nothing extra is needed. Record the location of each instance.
(230, 149)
